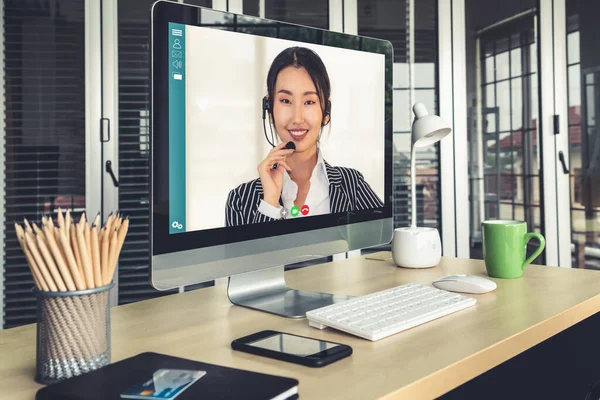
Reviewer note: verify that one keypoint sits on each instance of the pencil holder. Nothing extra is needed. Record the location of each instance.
(73, 333)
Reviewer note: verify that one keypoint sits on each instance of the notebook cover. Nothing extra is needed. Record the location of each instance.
(219, 383)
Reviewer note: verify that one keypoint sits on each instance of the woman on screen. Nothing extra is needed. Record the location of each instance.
(294, 178)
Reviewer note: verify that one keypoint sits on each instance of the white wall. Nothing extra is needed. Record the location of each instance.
(225, 82)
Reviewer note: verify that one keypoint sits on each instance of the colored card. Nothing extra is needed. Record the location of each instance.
(165, 384)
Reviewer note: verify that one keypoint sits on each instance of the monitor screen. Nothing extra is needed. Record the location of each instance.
(219, 153)
(262, 129)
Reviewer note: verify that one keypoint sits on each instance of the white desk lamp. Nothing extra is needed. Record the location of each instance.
(415, 247)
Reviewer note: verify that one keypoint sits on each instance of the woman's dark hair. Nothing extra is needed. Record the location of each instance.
(301, 57)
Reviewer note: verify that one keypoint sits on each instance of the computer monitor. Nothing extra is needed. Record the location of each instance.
(224, 201)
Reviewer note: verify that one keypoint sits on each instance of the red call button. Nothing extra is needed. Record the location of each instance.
(304, 210)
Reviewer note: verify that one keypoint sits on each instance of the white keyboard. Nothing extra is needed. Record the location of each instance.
(381, 314)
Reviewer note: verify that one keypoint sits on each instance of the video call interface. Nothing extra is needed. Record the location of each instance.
(223, 168)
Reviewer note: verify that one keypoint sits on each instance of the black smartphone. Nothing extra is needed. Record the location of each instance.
(292, 348)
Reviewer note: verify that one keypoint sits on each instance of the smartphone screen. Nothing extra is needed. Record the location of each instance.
(290, 344)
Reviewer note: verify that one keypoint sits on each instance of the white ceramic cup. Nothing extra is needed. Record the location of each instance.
(416, 247)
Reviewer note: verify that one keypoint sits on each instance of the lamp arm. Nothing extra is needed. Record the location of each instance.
(413, 190)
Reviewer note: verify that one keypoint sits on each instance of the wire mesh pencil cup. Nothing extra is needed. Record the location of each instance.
(73, 333)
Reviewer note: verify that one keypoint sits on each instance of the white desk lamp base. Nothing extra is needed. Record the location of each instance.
(416, 247)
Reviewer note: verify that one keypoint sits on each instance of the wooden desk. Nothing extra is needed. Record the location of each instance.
(424, 362)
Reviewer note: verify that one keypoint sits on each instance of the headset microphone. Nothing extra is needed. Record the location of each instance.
(288, 146)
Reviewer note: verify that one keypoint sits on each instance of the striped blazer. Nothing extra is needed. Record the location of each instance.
(348, 191)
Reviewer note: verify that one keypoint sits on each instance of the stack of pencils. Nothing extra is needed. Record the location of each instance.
(73, 328)
(72, 256)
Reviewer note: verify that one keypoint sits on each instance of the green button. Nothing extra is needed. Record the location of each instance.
(294, 211)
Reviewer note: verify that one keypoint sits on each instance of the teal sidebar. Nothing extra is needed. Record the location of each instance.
(177, 128)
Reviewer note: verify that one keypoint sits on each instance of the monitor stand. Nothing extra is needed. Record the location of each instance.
(266, 290)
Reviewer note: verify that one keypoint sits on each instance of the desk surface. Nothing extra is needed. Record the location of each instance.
(423, 362)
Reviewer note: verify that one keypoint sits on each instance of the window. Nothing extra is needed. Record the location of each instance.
(415, 80)
(44, 137)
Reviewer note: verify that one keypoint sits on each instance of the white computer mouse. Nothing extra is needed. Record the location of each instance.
(465, 284)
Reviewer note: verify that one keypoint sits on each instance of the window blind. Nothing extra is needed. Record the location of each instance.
(385, 19)
(304, 12)
(133, 167)
(134, 156)
(44, 151)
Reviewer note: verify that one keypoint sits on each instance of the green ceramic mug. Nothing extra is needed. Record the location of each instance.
(504, 246)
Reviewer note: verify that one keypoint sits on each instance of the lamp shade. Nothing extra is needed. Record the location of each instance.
(427, 129)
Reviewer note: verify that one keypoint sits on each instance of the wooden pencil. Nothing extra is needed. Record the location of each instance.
(35, 280)
(96, 257)
(40, 262)
(85, 258)
(51, 265)
(61, 219)
(122, 232)
(85, 229)
(118, 222)
(37, 269)
(68, 222)
(37, 275)
(71, 262)
(104, 257)
(97, 220)
(50, 221)
(36, 229)
(33, 265)
(57, 241)
(87, 236)
(33, 269)
(76, 251)
(112, 250)
(108, 224)
(68, 277)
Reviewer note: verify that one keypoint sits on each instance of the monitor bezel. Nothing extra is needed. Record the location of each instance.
(164, 242)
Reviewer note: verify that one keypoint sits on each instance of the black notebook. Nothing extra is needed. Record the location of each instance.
(219, 383)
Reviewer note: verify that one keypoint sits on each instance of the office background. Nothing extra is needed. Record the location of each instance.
(76, 82)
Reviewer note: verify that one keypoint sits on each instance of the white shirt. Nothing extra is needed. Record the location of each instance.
(317, 198)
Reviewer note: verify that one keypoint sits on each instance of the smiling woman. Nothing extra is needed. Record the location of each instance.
(298, 103)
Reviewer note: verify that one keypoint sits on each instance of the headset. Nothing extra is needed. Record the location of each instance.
(267, 108)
